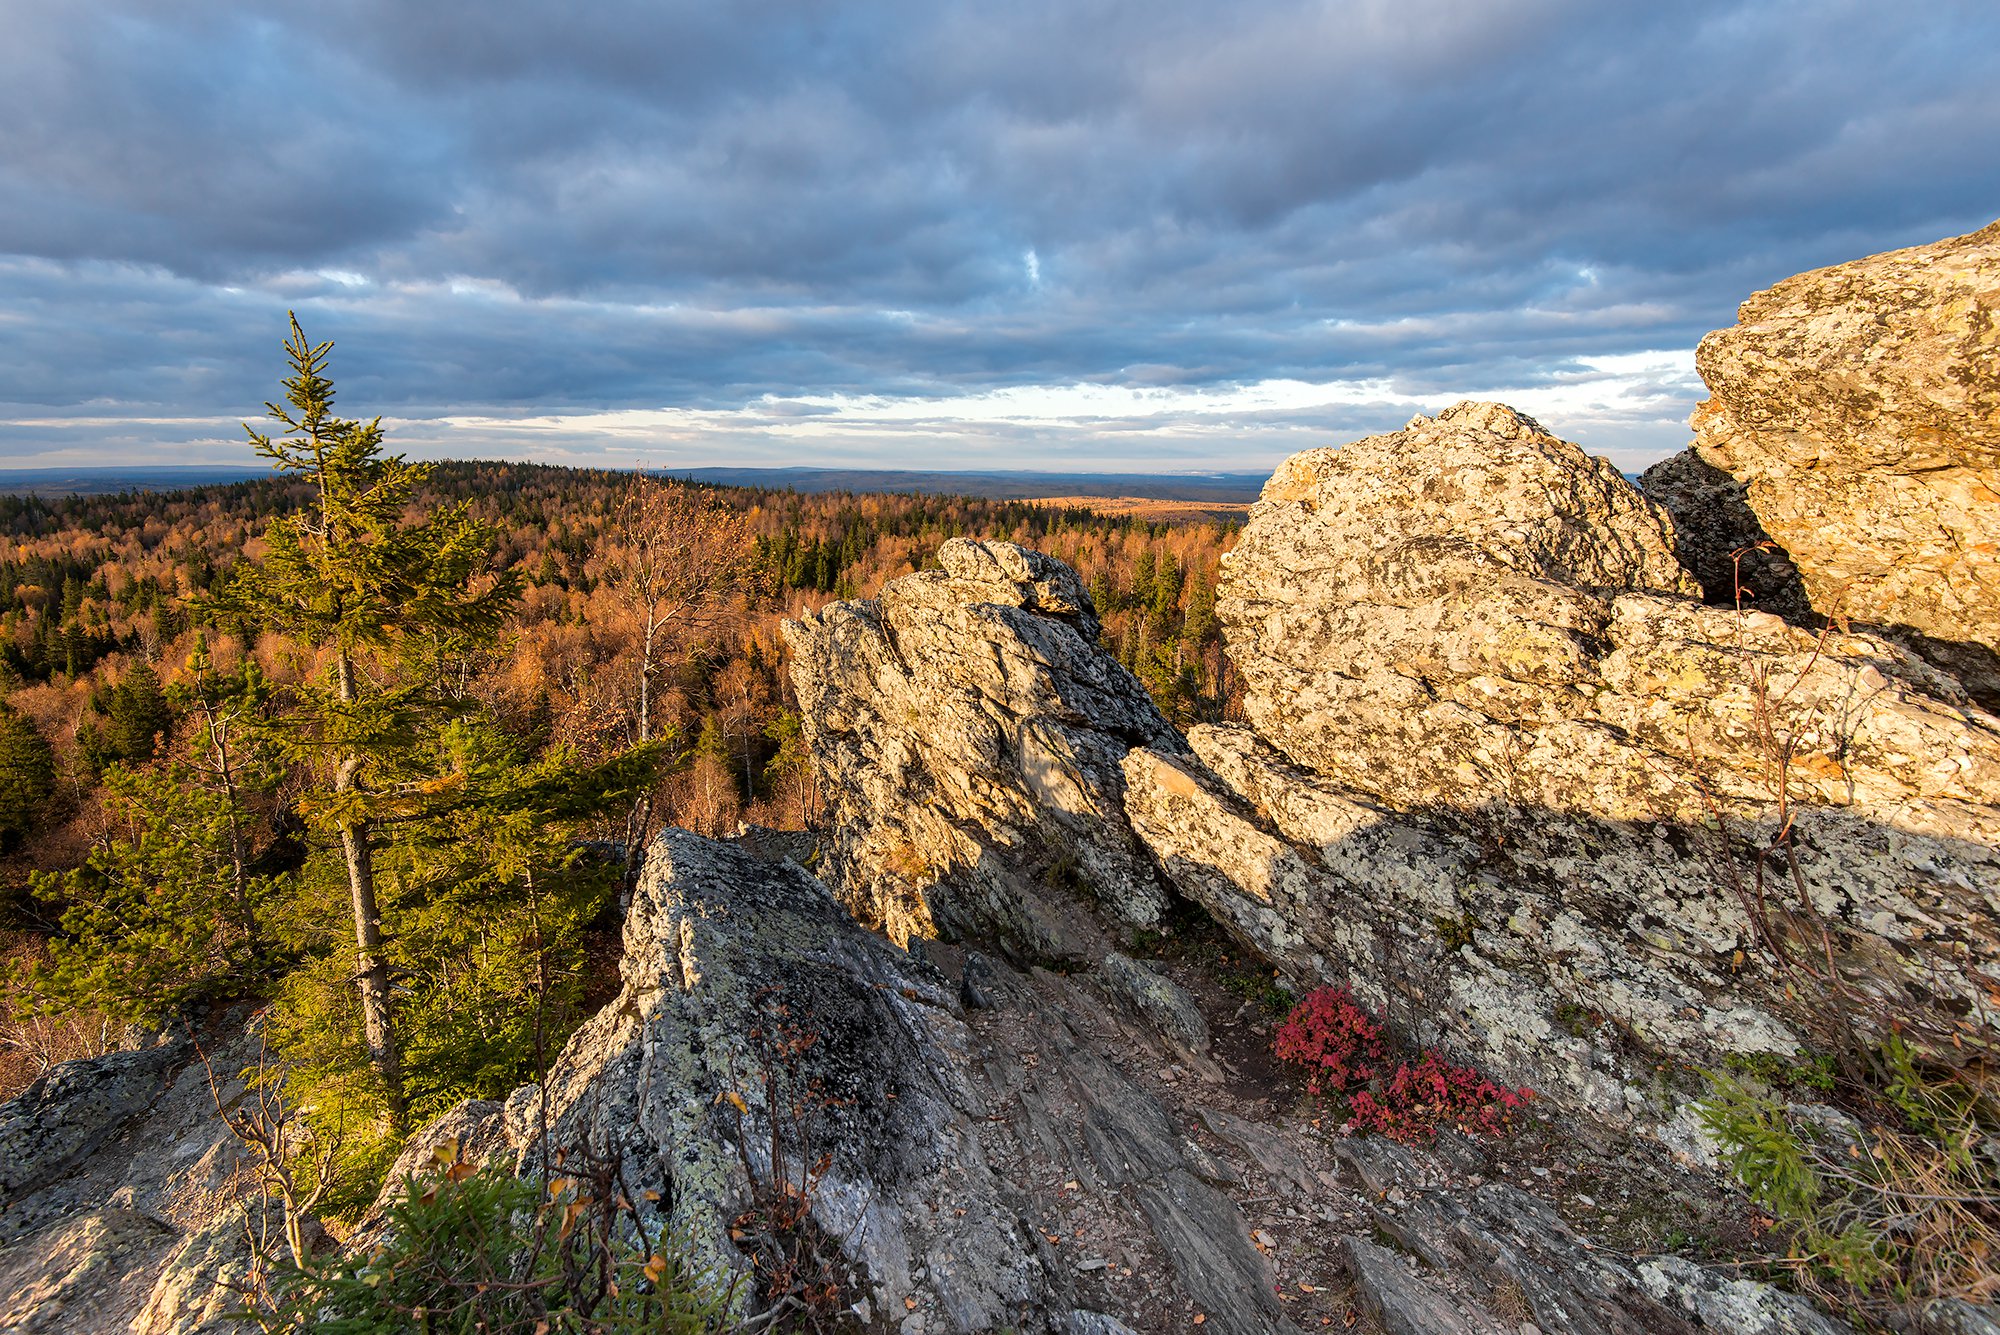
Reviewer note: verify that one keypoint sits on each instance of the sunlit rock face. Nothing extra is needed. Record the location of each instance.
(968, 729)
(1859, 408)
(1506, 774)
(1472, 611)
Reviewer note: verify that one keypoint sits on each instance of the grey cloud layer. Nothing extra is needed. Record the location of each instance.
(510, 207)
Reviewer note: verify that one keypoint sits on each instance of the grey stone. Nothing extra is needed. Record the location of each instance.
(1721, 1302)
(72, 1109)
(1093, 1323)
(1401, 1303)
(1502, 1239)
(1720, 540)
(471, 1131)
(1954, 1316)
(1228, 1278)
(967, 729)
(210, 1276)
(975, 982)
(1161, 1000)
(88, 1272)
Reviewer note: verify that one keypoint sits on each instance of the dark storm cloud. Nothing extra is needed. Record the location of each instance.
(745, 214)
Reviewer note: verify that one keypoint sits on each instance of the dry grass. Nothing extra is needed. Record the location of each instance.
(31, 1044)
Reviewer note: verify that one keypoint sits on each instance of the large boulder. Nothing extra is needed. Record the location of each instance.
(1859, 408)
(1505, 618)
(1518, 785)
(968, 728)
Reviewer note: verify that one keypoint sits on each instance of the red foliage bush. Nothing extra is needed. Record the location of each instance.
(1338, 1043)
(1332, 1038)
(1419, 1099)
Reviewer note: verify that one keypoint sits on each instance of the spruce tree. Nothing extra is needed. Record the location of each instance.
(158, 913)
(27, 777)
(381, 601)
(139, 714)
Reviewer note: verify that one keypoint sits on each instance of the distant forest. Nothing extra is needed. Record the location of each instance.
(96, 625)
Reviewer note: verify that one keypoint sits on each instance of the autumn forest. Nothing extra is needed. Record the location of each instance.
(600, 655)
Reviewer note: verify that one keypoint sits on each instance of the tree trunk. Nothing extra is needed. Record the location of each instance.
(371, 974)
(239, 869)
(371, 969)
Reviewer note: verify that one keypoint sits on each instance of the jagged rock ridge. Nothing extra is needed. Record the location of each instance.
(1498, 743)
(968, 733)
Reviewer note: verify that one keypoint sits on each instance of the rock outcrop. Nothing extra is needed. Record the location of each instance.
(1068, 1158)
(944, 1152)
(1859, 408)
(74, 1108)
(1509, 776)
(120, 1194)
(968, 732)
(1505, 617)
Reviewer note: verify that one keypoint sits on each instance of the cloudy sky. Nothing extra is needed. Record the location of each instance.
(1086, 234)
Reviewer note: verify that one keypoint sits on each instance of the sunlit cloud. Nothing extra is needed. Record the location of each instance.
(1158, 235)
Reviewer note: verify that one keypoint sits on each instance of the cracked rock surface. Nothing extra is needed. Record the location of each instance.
(1506, 776)
(968, 731)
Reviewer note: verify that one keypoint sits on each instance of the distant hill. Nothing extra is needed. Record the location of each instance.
(110, 481)
(1239, 488)
(1226, 488)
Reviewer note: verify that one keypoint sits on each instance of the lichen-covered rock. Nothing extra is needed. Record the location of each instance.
(1955, 1316)
(1158, 998)
(1859, 406)
(135, 1184)
(1505, 617)
(718, 944)
(209, 1279)
(1501, 960)
(1502, 1243)
(967, 729)
(89, 1272)
(71, 1109)
(1516, 786)
(746, 983)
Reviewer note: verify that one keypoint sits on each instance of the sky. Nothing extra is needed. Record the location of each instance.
(1108, 235)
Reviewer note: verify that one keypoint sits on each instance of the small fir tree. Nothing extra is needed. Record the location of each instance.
(140, 715)
(156, 915)
(381, 601)
(27, 777)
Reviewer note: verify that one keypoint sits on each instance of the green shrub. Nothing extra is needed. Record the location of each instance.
(159, 913)
(488, 1252)
(1895, 1209)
